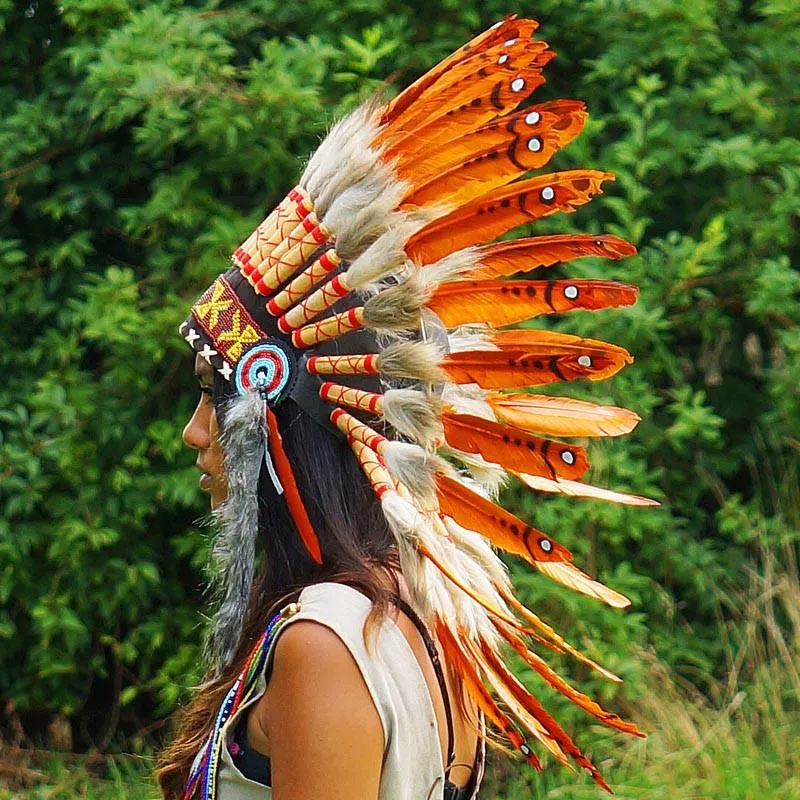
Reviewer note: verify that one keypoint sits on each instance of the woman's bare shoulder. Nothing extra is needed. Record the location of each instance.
(325, 735)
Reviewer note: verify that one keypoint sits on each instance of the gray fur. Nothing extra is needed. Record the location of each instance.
(397, 307)
(386, 254)
(454, 266)
(360, 214)
(415, 468)
(418, 360)
(487, 478)
(344, 158)
(244, 441)
(413, 414)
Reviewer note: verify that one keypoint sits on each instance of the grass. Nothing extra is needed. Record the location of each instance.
(738, 742)
(41, 775)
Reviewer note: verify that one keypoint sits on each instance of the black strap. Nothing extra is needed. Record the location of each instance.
(437, 668)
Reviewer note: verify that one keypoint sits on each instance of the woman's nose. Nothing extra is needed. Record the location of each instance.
(196, 433)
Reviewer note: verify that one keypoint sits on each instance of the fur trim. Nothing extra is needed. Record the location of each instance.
(244, 439)
(397, 307)
(490, 478)
(386, 254)
(419, 360)
(344, 158)
(416, 468)
(414, 414)
(361, 214)
(452, 267)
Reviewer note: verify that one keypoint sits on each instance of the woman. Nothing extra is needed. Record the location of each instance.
(355, 651)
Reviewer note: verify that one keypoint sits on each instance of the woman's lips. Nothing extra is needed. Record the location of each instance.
(205, 482)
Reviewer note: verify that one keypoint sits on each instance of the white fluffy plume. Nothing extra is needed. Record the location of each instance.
(414, 414)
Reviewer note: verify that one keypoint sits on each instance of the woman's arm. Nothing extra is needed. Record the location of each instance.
(325, 735)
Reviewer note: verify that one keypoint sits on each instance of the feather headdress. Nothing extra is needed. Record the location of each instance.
(390, 232)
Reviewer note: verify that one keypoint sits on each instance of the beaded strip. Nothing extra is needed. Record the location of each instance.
(378, 476)
(329, 328)
(336, 288)
(343, 365)
(270, 233)
(352, 398)
(203, 775)
(355, 429)
(304, 282)
(293, 252)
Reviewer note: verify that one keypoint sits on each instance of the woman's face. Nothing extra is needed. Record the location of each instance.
(202, 434)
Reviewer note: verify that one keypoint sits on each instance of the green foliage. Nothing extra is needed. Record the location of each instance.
(140, 141)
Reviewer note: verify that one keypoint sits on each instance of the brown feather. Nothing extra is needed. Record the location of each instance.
(499, 526)
(513, 448)
(523, 255)
(561, 416)
(502, 303)
(500, 210)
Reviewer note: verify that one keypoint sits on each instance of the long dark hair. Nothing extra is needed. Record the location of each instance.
(357, 549)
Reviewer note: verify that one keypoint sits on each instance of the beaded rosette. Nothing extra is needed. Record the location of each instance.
(385, 262)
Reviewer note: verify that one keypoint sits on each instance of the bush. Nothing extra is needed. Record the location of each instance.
(141, 141)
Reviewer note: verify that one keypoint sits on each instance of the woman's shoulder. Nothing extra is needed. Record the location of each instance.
(328, 596)
(319, 716)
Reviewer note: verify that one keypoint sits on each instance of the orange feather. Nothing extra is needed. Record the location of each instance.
(502, 303)
(513, 448)
(463, 666)
(556, 122)
(523, 255)
(502, 528)
(519, 711)
(585, 490)
(570, 692)
(556, 641)
(494, 154)
(561, 416)
(502, 209)
(509, 28)
(489, 84)
(534, 707)
(535, 358)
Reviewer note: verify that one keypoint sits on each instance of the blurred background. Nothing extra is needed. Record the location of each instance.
(140, 142)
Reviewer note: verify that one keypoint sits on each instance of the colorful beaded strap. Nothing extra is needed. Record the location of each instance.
(203, 774)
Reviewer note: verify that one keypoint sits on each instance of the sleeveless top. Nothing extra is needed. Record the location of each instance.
(412, 766)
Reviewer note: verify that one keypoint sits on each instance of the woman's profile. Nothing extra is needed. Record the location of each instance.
(361, 403)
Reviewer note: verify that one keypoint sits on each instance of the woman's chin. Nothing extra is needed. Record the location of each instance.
(212, 487)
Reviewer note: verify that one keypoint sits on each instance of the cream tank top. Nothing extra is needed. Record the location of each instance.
(412, 762)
